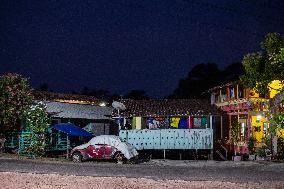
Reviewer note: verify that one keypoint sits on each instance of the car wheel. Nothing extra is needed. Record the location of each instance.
(77, 157)
(119, 157)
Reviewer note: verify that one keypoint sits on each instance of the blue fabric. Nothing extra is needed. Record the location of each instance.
(182, 123)
(71, 130)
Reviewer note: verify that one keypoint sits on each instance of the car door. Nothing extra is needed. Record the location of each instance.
(95, 151)
(109, 151)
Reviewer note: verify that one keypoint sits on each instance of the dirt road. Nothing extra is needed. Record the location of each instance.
(55, 181)
(19, 173)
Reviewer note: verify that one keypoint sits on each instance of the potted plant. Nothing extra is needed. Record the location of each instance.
(235, 135)
(251, 148)
(261, 153)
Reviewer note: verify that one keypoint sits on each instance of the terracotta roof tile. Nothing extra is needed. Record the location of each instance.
(167, 107)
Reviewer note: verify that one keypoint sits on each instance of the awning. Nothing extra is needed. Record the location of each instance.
(71, 130)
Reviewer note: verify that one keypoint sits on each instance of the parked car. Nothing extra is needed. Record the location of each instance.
(104, 147)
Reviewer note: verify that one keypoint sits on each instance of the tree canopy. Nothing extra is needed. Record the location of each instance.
(205, 76)
(265, 66)
(137, 95)
(14, 99)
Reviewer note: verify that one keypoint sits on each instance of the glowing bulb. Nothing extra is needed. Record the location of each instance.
(258, 117)
(102, 104)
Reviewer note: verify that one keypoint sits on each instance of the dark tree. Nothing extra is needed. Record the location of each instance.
(199, 79)
(15, 98)
(137, 95)
(116, 97)
(97, 93)
(205, 76)
(85, 91)
(43, 87)
(232, 72)
(100, 93)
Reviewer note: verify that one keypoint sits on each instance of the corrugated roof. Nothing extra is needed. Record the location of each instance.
(51, 96)
(83, 111)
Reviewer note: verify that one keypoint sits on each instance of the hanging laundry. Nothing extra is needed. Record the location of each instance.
(232, 93)
(175, 122)
(182, 123)
(153, 123)
(204, 122)
(133, 125)
(156, 124)
(162, 123)
(167, 123)
(150, 123)
(212, 99)
(189, 122)
(197, 122)
(138, 122)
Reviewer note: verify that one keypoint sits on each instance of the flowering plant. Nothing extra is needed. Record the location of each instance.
(37, 122)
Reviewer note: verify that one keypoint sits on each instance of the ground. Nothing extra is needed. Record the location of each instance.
(23, 173)
(55, 181)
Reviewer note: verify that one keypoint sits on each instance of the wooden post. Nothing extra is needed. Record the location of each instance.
(230, 125)
(240, 131)
(67, 144)
(211, 122)
(228, 95)
(249, 124)
(221, 121)
(237, 95)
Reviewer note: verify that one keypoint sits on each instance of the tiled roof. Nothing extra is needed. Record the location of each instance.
(51, 96)
(224, 85)
(83, 111)
(167, 107)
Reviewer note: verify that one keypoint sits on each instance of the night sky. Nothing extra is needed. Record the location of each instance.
(122, 45)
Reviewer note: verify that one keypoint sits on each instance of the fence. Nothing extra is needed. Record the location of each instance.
(169, 138)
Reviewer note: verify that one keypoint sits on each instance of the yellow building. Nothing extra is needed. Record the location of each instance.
(246, 107)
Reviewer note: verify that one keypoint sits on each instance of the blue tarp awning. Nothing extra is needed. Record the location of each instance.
(71, 130)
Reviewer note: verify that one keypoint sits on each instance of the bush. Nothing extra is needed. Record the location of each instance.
(251, 145)
(261, 152)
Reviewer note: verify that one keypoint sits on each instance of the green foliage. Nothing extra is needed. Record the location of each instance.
(14, 99)
(272, 43)
(276, 122)
(37, 121)
(280, 145)
(263, 67)
(261, 152)
(267, 141)
(235, 132)
(251, 143)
